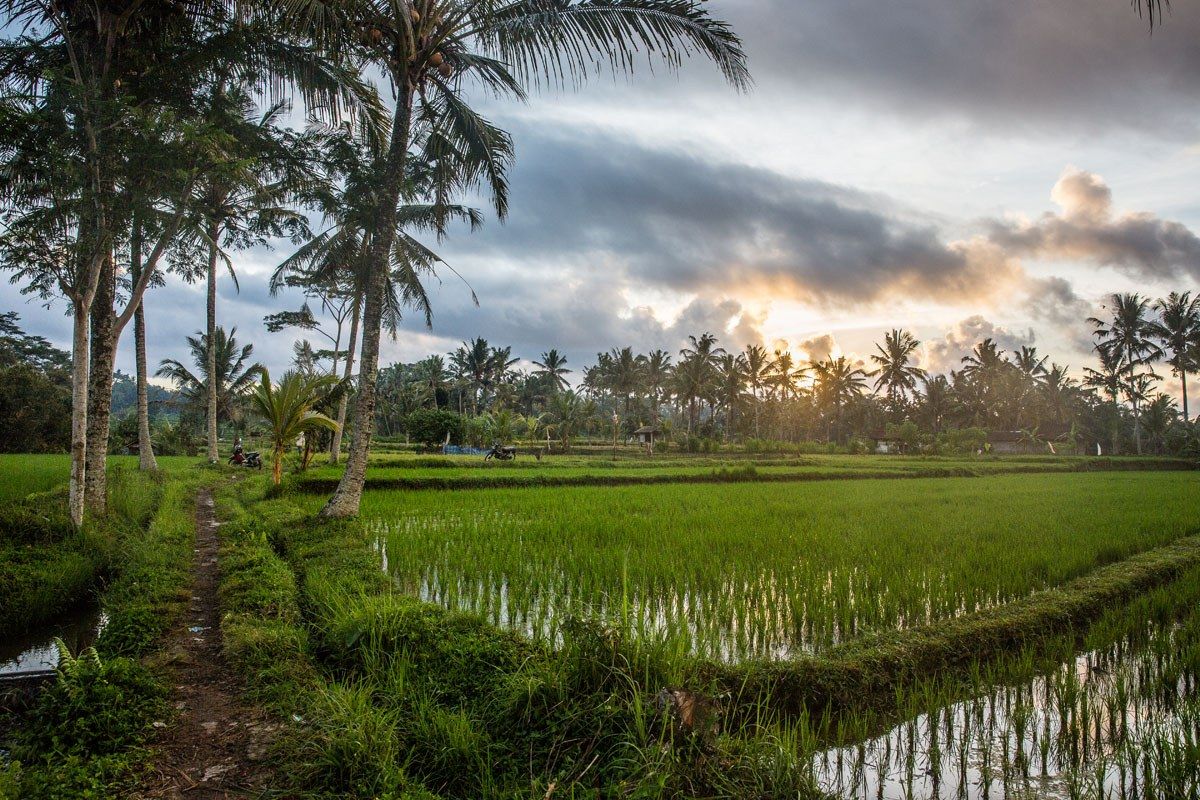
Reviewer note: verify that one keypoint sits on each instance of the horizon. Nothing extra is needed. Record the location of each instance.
(856, 188)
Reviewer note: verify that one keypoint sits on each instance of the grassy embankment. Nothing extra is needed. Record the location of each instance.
(83, 737)
(402, 696)
(437, 472)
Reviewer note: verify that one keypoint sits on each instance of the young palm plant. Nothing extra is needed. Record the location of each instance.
(429, 50)
(288, 409)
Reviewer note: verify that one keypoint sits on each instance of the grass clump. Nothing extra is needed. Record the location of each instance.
(46, 567)
(400, 698)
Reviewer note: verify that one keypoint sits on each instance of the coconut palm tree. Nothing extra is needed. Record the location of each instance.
(245, 197)
(288, 409)
(936, 401)
(1129, 334)
(758, 364)
(428, 50)
(554, 366)
(234, 373)
(1109, 380)
(1178, 330)
(656, 373)
(565, 414)
(896, 374)
(838, 383)
(731, 385)
(784, 375)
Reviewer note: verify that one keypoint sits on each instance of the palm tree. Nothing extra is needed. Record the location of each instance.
(244, 197)
(431, 372)
(731, 385)
(1178, 330)
(838, 383)
(937, 401)
(426, 57)
(656, 373)
(1128, 334)
(554, 366)
(565, 414)
(784, 375)
(474, 362)
(337, 256)
(234, 373)
(624, 372)
(289, 410)
(1108, 379)
(895, 373)
(758, 363)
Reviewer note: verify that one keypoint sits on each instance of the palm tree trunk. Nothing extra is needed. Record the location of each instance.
(146, 459)
(100, 377)
(335, 447)
(79, 401)
(211, 388)
(348, 495)
(1183, 377)
(1137, 424)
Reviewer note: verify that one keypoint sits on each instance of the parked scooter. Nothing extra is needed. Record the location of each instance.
(240, 458)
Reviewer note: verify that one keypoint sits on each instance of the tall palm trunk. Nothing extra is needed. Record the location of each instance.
(79, 417)
(335, 448)
(211, 355)
(1183, 377)
(348, 495)
(1137, 423)
(146, 459)
(100, 378)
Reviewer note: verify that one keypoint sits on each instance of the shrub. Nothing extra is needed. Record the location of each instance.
(431, 426)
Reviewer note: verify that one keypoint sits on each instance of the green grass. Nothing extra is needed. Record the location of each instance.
(85, 735)
(734, 571)
(22, 474)
(457, 472)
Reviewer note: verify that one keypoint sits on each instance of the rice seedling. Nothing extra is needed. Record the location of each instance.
(1119, 719)
(741, 571)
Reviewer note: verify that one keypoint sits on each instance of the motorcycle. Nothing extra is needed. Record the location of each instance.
(251, 460)
(501, 453)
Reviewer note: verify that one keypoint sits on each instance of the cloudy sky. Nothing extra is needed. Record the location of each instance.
(961, 169)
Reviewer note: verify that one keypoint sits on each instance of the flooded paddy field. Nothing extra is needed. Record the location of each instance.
(767, 571)
(1118, 716)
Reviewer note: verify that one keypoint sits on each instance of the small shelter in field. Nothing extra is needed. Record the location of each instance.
(647, 435)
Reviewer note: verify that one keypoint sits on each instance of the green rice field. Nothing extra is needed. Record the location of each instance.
(736, 571)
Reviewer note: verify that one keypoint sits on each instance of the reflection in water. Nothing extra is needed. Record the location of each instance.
(35, 651)
(1110, 724)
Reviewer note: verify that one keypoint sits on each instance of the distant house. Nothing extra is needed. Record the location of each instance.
(1047, 438)
(647, 435)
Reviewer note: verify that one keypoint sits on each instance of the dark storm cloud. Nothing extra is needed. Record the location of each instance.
(1087, 229)
(1011, 64)
(683, 222)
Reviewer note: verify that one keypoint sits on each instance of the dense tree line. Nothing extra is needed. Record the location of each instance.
(707, 392)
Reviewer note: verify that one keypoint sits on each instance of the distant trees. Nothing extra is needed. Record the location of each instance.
(233, 377)
(712, 394)
(35, 392)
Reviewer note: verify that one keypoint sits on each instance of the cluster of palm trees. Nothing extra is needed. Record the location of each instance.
(138, 138)
(708, 391)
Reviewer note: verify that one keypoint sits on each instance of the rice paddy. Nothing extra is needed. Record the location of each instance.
(1119, 719)
(740, 571)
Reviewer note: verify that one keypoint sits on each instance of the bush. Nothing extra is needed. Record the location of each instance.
(431, 426)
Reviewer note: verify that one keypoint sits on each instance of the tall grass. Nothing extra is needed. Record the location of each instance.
(765, 571)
